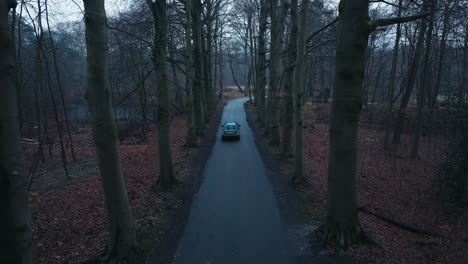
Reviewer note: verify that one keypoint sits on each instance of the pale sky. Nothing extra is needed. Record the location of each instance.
(72, 10)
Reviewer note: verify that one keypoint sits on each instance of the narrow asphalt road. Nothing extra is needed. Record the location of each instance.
(234, 217)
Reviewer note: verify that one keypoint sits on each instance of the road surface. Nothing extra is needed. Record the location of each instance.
(234, 217)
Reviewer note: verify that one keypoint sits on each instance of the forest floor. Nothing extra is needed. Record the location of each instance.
(68, 214)
(394, 187)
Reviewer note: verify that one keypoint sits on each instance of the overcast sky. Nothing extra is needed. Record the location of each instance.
(72, 10)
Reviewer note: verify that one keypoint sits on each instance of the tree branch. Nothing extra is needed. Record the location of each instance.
(309, 39)
(131, 34)
(386, 2)
(374, 24)
(403, 226)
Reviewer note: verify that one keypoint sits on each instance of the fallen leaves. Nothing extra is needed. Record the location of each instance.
(69, 217)
(402, 187)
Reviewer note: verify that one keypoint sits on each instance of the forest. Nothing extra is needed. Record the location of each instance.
(352, 114)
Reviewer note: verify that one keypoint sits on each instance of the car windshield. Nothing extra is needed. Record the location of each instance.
(230, 127)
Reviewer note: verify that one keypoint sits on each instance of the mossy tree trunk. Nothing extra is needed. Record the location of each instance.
(122, 243)
(15, 222)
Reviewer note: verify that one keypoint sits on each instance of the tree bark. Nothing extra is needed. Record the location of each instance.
(342, 226)
(410, 81)
(221, 64)
(49, 86)
(191, 133)
(391, 89)
(289, 83)
(122, 243)
(207, 55)
(425, 83)
(277, 15)
(166, 173)
(59, 83)
(199, 80)
(440, 63)
(248, 65)
(298, 94)
(261, 65)
(15, 223)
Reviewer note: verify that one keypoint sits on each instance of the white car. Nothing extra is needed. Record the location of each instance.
(230, 130)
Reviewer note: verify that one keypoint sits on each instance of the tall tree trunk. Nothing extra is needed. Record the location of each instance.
(215, 60)
(122, 242)
(342, 224)
(191, 133)
(410, 81)
(369, 69)
(221, 64)
(425, 84)
(462, 93)
(199, 77)
(261, 76)
(391, 90)
(248, 65)
(288, 89)
(207, 55)
(56, 117)
(440, 63)
(51, 92)
(59, 83)
(252, 62)
(15, 223)
(298, 94)
(37, 106)
(19, 72)
(166, 176)
(277, 15)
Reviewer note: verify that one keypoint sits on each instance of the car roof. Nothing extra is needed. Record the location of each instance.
(230, 123)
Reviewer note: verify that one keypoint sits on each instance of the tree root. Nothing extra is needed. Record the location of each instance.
(338, 238)
(403, 226)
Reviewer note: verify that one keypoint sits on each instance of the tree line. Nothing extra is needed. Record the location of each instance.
(167, 57)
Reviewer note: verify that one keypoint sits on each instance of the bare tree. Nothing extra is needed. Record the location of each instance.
(277, 15)
(158, 9)
(261, 61)
(410, 79)
(289, 82)
(15, 223)
(391, 92)
(122, 242)
(191, 133)
(298, 94)
(342, 226)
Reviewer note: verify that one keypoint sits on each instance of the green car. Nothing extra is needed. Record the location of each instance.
(230, 131)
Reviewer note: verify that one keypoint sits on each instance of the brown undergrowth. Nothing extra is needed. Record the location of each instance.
(400, 210)
(69, 217)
